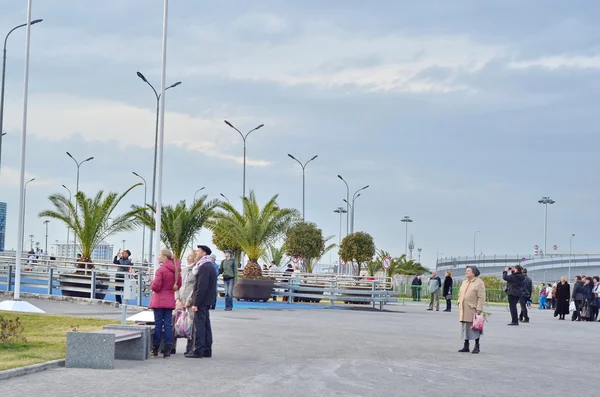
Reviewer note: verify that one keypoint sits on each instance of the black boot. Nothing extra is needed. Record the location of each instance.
(465, 348)
(476, 348)
(155, 347)
(207, 353)
(168, 349)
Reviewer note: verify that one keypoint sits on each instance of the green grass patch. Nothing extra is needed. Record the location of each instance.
(46, 337)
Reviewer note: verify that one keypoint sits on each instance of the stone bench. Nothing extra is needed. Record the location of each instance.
(99, 349)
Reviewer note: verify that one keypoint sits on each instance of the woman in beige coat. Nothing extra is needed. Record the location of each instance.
(471, 298)
(183, 297)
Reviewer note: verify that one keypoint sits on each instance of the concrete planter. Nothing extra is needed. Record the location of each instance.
(253, 290)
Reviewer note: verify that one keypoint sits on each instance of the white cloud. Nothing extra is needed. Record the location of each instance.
(559, 62)
(62, 117)
(11, 177)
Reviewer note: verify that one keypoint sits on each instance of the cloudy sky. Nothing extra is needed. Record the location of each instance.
(460, 114)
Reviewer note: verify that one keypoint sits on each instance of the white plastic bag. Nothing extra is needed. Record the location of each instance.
(572, 306)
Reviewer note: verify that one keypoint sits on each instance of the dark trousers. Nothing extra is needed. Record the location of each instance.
(449, 304)
(577, 313)
(524, 315)
(202, 331)
(512, 304)
(118, 297)
(163, 322)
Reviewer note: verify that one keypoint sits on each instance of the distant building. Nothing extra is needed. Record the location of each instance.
(104, 251)
(2, 225)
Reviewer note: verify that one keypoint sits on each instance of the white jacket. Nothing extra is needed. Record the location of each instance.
(548, 292)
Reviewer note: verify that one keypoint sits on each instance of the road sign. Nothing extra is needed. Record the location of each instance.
(387, 262)
(342, 263)
(295, 260)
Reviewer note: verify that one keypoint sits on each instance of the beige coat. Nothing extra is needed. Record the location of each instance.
(471, 299)
(188, 280)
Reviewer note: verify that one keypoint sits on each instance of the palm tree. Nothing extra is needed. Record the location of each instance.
(275, 254)
(254, 228)
(180, 223)
(92, 221)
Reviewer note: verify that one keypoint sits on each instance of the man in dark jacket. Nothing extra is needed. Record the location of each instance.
(514, 290)
(416, 288)
(229, 270)
(525, 297)
(125, 264)
(203, 297)
(577, 298)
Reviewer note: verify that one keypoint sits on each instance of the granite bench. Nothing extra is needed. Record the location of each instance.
(99, 349)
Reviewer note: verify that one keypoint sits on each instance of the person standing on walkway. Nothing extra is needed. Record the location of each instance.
(416, 288)
(514, 290)
(125, 264)
(213, 258)
(229, 271)
(563, 295)
(542, 297)
(577, 298)
(183, 297)
(596, 292)
(166, 282)
(434, 284)
(447, 290)
(204, 296)
(525, 297)
(471, 298)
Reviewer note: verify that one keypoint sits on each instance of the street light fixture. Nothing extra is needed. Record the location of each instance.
(225, 197)
(347, 205)
(303, 178)
(570, 253)
(198, 191)
(419, 251)
(244, 138)
(46, 222)
(68, 228)
(157, 95)
(340, 210)
(4, 81)
(354, 197)
(406, 220)
(546, 200)
(78, 164)
(145, 205)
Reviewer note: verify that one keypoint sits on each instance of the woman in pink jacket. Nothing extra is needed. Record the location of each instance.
(167, 281)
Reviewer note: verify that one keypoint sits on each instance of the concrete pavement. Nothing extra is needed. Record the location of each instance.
(406, 351)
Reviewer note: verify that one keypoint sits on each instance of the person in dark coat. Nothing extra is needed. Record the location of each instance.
(525, 297)
(514, 290)
(588, 297)
(416, 288)
(203, 297)
(577, 298)
(563, 294)
(447, 290)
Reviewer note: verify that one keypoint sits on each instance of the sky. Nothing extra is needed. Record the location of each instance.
(460, 114)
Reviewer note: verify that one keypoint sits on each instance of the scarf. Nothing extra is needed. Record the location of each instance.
(202, 261)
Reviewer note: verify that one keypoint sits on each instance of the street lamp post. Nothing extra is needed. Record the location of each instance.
(225, 197)
(68, 228)
(244, 138)
(157, 95)
(340, 210)
(570, 253)
(419, 251)
(145, 204)
(198, 191)
(77, 191)
(4, 81)
(347, 204)
(354, 197)
(406, 220)
(474, 243)
(546, 200)
(24, 208)
(303, 179)
(46, 222)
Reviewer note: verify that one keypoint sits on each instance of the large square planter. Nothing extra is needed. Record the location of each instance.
(253, 290)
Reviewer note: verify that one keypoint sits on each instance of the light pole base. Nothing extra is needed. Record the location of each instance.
(19, 306)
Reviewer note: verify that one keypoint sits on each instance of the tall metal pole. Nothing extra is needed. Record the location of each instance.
(161, 139)
(546, 200)
(474, 242)
(406, 220)
(347, 205)
(24, 209)
(303, 180)
(354, 197)
(68, 228)
(244, 137)
(46, 222)
(339, 210)
(78, 164)
(570, 253)
(2, 87)
(145, 204)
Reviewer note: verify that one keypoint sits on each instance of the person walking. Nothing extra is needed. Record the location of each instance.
(514, 290)
(447, 290)
(183, 297)
(549, 297)
(471, 298)
(577, 298)
(229, 271)
(166, 282)
(542, 297)
(563, 294)
(525, 297)
(434, 284)
(125, 264)
(203, 297)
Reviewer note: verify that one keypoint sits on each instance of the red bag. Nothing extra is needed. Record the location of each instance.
(478, 321)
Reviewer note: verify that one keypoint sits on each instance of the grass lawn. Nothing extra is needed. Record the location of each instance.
(46, 337)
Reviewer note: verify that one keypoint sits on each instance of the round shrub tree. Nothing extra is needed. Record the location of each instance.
(305, 240)
(358, 247)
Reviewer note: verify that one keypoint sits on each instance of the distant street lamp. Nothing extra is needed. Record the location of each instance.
(406, 220)
(419, 251)
(354, 197)
(4, 81)
(303, 179)
(244, 137)
(340, 210)
(24, 211)
(347, 205)
(77, 191)
(570, 253)
(474, 244)
(225, 197)
(68, 228)
(157, 95)
(145, 204)
(198, 191)
(546, 200)
(46, 222)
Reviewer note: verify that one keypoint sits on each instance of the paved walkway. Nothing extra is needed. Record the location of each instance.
(406, 351)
